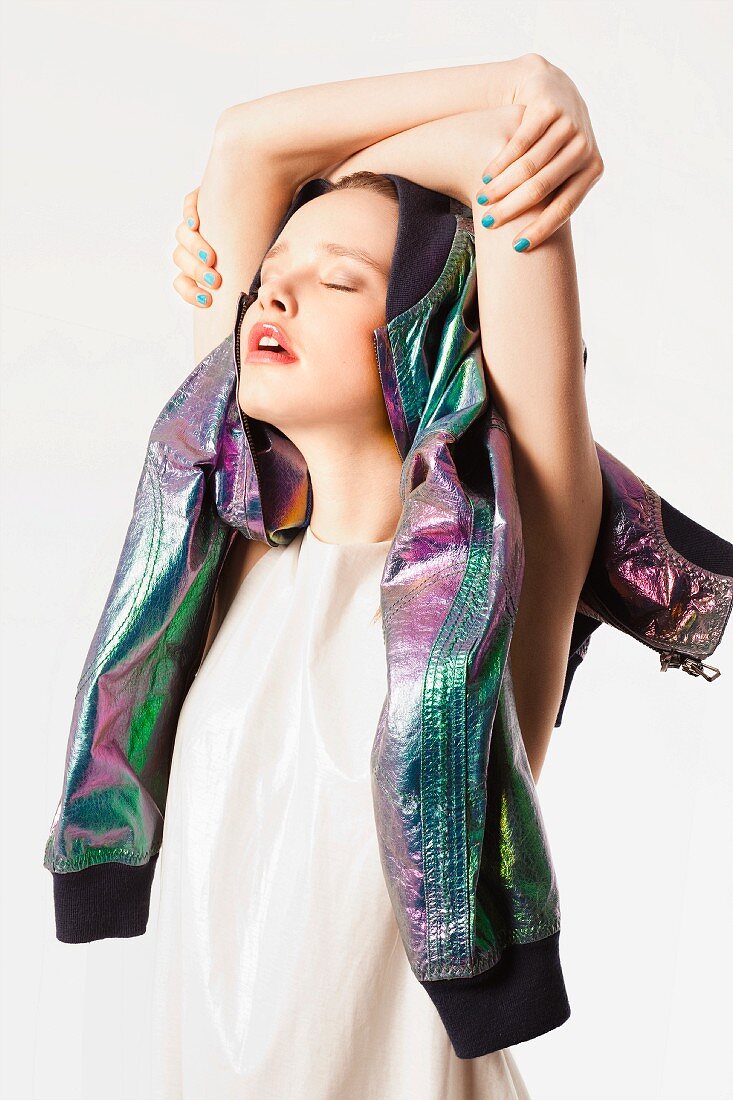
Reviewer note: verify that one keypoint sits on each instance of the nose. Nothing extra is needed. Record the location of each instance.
(273, 291)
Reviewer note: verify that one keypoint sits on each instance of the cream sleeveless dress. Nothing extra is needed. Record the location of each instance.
(279, 970)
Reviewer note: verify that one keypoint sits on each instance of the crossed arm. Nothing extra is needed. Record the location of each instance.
(264, 149)
(434, 126)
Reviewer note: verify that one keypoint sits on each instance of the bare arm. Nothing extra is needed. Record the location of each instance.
(311, 129)
(240, 205)
(443, 155)
(265, 148)
(250, 179)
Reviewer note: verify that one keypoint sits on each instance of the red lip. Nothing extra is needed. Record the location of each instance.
(268, 328)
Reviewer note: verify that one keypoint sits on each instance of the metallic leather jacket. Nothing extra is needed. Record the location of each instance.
(464, 851)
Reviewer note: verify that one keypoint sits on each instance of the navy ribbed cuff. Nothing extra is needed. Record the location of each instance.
(522, 996)
(104, 901)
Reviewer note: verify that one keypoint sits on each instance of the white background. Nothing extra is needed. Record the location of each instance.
(108, 111)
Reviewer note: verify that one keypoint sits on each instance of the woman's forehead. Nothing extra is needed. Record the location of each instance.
(358, 221)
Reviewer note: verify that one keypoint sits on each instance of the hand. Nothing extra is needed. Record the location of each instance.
(195, 257)
(552, 152)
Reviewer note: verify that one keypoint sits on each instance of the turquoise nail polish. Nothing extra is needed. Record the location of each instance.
(487, 220)
(487, 179)
(209, 278)
(482, 199)
(190, 221)
(521, 244)
(203, 254)
(202, 299)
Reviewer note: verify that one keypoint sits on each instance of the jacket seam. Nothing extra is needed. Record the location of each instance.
(537, 932)
(721, 583)
(665, 546)
(460, 632)
(409, 596)
(107, 855)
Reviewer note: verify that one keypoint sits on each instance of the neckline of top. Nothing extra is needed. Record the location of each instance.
(312, 537)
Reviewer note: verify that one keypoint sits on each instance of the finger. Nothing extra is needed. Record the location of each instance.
(529, 164)
(192, 293)
(557, 212)
(196, 245)
(196, 271)
(190, 212)
(534, 190)
(535, 121)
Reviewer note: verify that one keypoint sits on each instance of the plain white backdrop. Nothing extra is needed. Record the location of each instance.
(108, 112)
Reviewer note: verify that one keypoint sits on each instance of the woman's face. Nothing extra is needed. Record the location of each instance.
(327, 306)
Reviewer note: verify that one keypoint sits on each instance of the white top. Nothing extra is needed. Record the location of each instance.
(279, 968)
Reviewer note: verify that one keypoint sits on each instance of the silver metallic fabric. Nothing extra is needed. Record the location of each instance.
(465, 854)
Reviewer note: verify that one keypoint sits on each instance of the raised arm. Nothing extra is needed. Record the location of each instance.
(312, 129)
(240, 204)
(263, 149)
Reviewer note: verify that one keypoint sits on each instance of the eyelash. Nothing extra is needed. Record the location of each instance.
(340, 286)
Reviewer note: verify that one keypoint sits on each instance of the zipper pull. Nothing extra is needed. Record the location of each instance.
(693, 665)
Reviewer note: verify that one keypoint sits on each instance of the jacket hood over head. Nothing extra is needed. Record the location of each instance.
(263, 485)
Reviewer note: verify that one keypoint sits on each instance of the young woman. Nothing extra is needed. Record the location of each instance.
(305, 615)
(524, 124)
(396, 423)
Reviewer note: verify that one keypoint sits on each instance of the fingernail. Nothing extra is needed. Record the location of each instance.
(203, 254)
(482, 199)
(189, 221)
(202, 298)
(487, 179)
(209, 278)
(487, 220)
(521, 244)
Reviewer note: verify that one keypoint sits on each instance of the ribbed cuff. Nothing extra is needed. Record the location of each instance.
(104, 901)
(522, 996)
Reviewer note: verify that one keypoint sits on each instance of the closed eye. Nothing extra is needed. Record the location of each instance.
(338, 286)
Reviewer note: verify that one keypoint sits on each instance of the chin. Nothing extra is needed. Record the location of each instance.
(259, 400)
(268, 411)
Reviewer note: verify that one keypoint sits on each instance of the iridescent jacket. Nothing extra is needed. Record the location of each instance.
(464, 851)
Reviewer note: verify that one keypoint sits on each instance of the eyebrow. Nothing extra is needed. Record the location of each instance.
(334, 250)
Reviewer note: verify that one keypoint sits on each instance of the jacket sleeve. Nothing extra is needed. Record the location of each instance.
(107, 828)
(657, 575)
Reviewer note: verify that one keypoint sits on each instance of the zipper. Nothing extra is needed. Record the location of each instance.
(381, 380)
(243, 418)
(669, 658)
(693, 665)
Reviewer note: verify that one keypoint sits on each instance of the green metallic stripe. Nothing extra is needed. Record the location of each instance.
(449, 908)
(401, 332)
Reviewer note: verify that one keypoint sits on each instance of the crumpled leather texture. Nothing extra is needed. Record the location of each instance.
(464, 851)
(640, 583)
